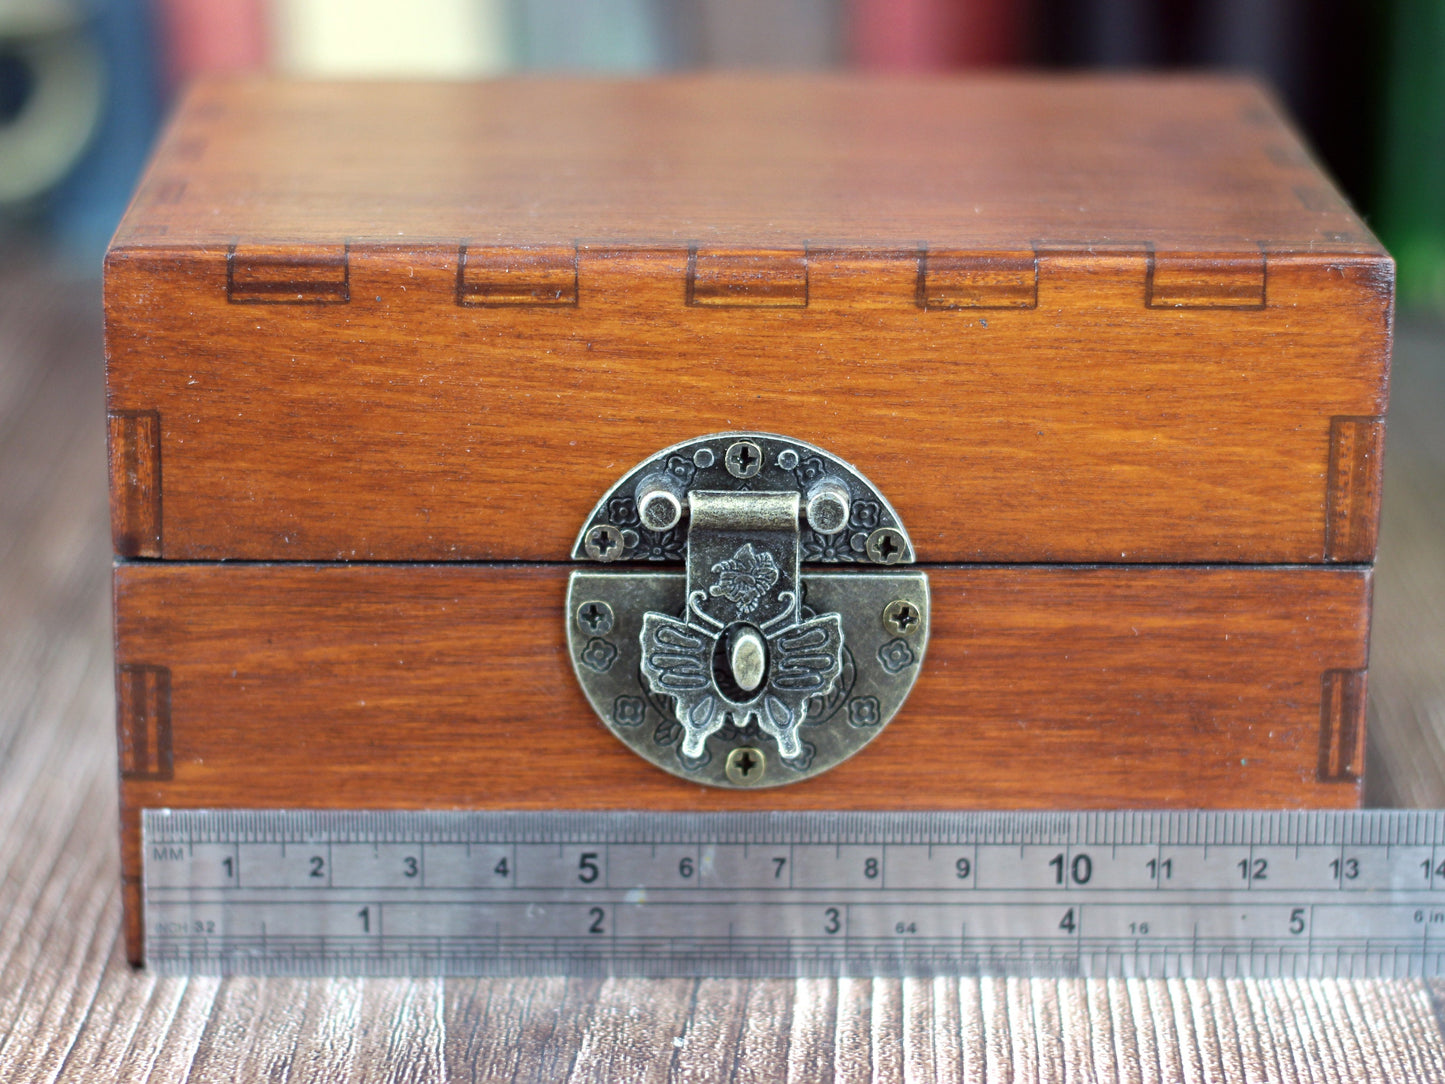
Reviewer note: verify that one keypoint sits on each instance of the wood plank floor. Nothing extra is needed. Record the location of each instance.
(70, 1008)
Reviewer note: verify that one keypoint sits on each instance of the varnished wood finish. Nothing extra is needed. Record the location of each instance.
(1055, 320)
(1195, 164)
(384, 686)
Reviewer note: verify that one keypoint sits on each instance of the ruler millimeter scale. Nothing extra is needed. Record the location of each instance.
(1150, 894)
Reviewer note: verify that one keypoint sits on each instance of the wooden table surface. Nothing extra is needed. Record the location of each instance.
(70, 1008)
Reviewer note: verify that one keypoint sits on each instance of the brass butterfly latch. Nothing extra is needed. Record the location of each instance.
(786, 641)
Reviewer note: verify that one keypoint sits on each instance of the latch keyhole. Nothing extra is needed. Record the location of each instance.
(740, 664)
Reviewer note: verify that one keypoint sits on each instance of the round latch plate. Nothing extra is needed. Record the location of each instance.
(747, 623)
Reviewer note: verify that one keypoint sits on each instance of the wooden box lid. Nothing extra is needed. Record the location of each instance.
(1073, 319)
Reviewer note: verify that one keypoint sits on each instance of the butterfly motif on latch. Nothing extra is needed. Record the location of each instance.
(804, 659)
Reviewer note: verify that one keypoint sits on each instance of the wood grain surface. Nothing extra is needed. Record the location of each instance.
(1042, 687)
(72, 1010)
(377, 686)
(1194, 163)
(1072, 320)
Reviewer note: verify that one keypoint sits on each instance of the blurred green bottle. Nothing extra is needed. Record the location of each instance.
(1411, 218)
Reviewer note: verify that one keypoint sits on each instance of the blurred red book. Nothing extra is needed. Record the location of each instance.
(931, 35)
(212, 36)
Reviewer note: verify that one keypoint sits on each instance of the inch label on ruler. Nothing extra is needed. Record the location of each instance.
(753, 894)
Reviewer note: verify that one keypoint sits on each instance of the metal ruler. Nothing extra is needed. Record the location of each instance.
(783, 894)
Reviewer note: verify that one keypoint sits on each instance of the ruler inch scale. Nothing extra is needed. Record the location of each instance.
(1119, 893)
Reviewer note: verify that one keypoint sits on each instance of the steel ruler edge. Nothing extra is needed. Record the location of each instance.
(1119, 893)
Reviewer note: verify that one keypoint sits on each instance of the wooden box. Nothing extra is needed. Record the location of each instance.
(1113, 347)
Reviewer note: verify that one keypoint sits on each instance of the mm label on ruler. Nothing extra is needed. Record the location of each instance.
(793, 894)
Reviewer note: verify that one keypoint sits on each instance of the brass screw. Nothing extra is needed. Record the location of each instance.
(603, 543)
(885, 546)
(743, 459)
(595, 618)
(745, 765)
(902, 617)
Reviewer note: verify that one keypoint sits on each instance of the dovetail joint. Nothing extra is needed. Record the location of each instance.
(143, 721)
(1342, 726)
